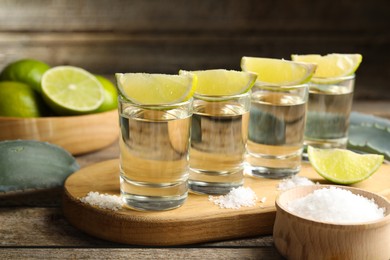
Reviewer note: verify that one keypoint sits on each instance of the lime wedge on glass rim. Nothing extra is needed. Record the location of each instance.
(156, 89)
(278, 71)
(71, 90)
(343, 166)
(221, 82)
(331, 65)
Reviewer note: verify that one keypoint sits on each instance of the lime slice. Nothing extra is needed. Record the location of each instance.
(277, 71)
(220, 82)
(343, 166)
(70, 90)
(332, 65)
(156, 89)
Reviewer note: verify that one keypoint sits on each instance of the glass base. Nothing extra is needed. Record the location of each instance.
(212, 188)
(340, 143)
(272, 173)
(149, 196)
(215, 182)
(274, 166)
(144, 203)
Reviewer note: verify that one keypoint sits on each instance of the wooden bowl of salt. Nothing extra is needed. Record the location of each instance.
(76, 134)
(332, 222)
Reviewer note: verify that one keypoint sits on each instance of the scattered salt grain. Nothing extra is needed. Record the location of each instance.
(294, 181)
(236, 198)
(104, 201)
(263, 200)
(336, 205)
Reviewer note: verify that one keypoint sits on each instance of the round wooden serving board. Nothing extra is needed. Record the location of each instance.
(197, 221)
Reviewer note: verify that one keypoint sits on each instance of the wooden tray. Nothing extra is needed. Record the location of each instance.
(76, 134)
(198, 220)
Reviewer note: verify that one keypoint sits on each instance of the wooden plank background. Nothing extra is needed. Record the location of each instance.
(167, 35)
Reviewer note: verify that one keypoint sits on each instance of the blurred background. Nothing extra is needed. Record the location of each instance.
(163, 36)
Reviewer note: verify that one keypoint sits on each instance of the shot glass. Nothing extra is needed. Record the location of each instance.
(276, 128)
(218, 139)
(154, 145)
(329, 107)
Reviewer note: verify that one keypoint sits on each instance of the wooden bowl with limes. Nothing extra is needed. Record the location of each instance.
(300, 237)
(76, 134)
(63, 105)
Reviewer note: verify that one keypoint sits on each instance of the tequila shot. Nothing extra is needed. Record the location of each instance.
(218, 143)
(276, 128)
(330, 98)
(329, 107)
(154, 140)
(154, 146)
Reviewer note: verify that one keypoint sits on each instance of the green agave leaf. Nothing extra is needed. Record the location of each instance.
(370, 138)
(357, 118)
(36, 165)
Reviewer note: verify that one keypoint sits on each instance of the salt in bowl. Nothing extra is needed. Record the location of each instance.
(296, 237)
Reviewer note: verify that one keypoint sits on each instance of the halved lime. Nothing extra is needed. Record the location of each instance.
(343, 166)
(71, 90)
(278, 71)
(156, 89)
(220, 82)
(331, 65)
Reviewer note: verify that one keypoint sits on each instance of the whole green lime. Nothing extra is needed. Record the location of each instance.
(28, 71)
(19, 100)
(110, 95)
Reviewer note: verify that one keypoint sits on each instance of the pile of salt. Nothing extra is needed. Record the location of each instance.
(336, 205)
(236, 198)
(294, 181)
(104, 201)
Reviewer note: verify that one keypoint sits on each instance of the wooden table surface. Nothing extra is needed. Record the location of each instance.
(33, 227)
